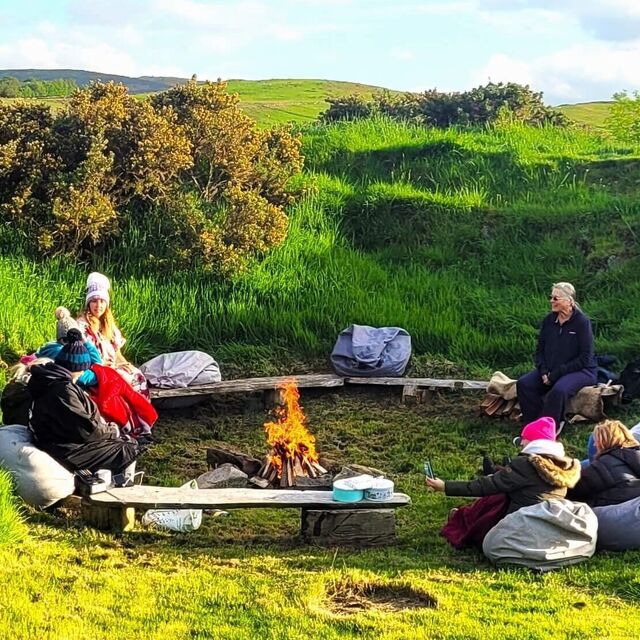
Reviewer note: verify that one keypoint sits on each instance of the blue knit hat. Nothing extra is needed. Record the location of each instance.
(74, 355)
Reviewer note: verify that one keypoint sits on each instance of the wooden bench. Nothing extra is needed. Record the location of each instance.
(416, 388)
(324, 520)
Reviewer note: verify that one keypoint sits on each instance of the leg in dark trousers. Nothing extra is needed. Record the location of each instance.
(555, 402)
(531, 392)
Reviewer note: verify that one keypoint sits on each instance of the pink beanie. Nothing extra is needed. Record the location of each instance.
(540, 429)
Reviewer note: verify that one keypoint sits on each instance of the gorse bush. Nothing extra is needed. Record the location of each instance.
(187, 163)
(479, 106)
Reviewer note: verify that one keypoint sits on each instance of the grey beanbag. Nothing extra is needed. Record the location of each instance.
(619, 526)
(370, 351)
(39, 479)
(548, 535)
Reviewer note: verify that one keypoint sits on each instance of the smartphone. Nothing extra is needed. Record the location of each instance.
(428, 470)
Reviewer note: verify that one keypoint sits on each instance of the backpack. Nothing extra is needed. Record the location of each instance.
(15, 403)
(630, 380)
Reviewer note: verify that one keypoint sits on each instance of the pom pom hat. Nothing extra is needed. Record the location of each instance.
(65, 322)
(74, 355)
(540, 429)
(98, 286)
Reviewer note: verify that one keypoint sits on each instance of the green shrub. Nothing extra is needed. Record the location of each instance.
(479, 106)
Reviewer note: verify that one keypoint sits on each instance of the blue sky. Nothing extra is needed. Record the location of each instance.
(572, 50)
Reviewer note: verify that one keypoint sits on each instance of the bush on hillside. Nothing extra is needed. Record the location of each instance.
(479, 106)
(189, 159)
(624, 117)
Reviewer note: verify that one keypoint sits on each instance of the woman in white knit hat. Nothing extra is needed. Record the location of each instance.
(99, 326)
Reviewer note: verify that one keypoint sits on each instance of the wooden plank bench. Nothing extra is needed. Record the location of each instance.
(324, 520)
(411, 387)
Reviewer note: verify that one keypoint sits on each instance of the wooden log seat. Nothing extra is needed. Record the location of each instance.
(324, 520)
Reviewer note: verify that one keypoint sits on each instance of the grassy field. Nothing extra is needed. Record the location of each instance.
(279, 101)
(454, 235)
(247, 575)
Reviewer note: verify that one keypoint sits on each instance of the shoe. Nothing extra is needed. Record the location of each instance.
(560, 427)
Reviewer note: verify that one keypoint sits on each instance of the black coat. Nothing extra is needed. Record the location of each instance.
(67, 425)
(612, 478)
(528, 480)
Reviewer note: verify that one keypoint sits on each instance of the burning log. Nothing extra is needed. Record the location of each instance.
(293, 452)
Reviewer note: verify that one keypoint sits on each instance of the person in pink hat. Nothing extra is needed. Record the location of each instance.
(540, 472)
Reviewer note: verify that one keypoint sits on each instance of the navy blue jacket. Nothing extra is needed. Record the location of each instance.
(565, 348)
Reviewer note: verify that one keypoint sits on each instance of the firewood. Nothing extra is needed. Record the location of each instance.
(310, 468)
(508, 407)
(266, 470)
(494, 406)
(489, 398)
(297, 467)
(320, 469)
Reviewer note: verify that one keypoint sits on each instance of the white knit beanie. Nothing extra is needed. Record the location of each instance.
(98, 286)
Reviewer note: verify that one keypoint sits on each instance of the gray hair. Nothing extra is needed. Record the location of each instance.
(568, 290)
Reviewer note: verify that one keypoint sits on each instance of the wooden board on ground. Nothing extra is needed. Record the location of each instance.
(146, 497)
(248, 385)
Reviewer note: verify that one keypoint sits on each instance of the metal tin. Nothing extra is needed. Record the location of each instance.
(342, 492)
(380, 491)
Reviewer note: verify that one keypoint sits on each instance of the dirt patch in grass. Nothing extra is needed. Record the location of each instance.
(347, 596)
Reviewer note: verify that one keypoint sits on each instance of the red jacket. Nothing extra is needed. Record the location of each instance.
(119, 403)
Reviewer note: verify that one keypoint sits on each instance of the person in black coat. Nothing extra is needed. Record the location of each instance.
(564, 359)
(614, 475)
(66, 422)
(540, 472)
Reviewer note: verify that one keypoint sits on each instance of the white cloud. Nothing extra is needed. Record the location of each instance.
(74, 52)
(577, 73)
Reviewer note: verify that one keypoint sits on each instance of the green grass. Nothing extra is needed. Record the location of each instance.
(11, 524)
(591, 113)
(247, 575)
(454, 235)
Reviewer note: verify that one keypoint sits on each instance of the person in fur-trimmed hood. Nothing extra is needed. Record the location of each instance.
(540, 472)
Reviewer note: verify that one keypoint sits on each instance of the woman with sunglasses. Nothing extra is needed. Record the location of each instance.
(565, 361)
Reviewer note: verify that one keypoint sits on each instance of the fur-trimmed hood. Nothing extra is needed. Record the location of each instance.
(557, 471)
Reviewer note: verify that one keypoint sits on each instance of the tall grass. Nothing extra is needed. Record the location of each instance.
(456, 235)
(11, 525)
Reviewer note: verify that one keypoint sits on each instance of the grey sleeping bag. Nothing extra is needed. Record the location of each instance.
(548, 535)
(370, 351)
(619, 525)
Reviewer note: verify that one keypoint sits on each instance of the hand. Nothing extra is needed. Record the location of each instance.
(75, 375)
(435, 484)
(545, 379)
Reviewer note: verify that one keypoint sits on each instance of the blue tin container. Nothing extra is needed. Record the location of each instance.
(342, 492)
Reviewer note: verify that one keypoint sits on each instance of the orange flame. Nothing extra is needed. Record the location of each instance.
(288, 435)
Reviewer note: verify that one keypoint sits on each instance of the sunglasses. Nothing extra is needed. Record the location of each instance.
(556, 298)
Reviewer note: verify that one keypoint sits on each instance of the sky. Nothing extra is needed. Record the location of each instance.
(571, 50)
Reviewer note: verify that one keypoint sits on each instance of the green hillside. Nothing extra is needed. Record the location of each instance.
(591, 113)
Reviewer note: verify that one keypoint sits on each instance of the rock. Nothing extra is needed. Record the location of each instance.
(351, 470)
(226, 475)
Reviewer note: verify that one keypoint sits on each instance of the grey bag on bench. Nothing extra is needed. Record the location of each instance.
(370, 351)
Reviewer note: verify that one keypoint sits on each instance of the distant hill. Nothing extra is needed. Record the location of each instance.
(270, 101)
(593, 113)
(145, 84)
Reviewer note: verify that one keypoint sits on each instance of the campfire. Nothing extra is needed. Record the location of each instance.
(293, 449)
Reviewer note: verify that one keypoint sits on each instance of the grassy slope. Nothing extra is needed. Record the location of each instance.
(247, 576)
(440, 232)
(591, 113)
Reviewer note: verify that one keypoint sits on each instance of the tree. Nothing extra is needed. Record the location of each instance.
(623, 120)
